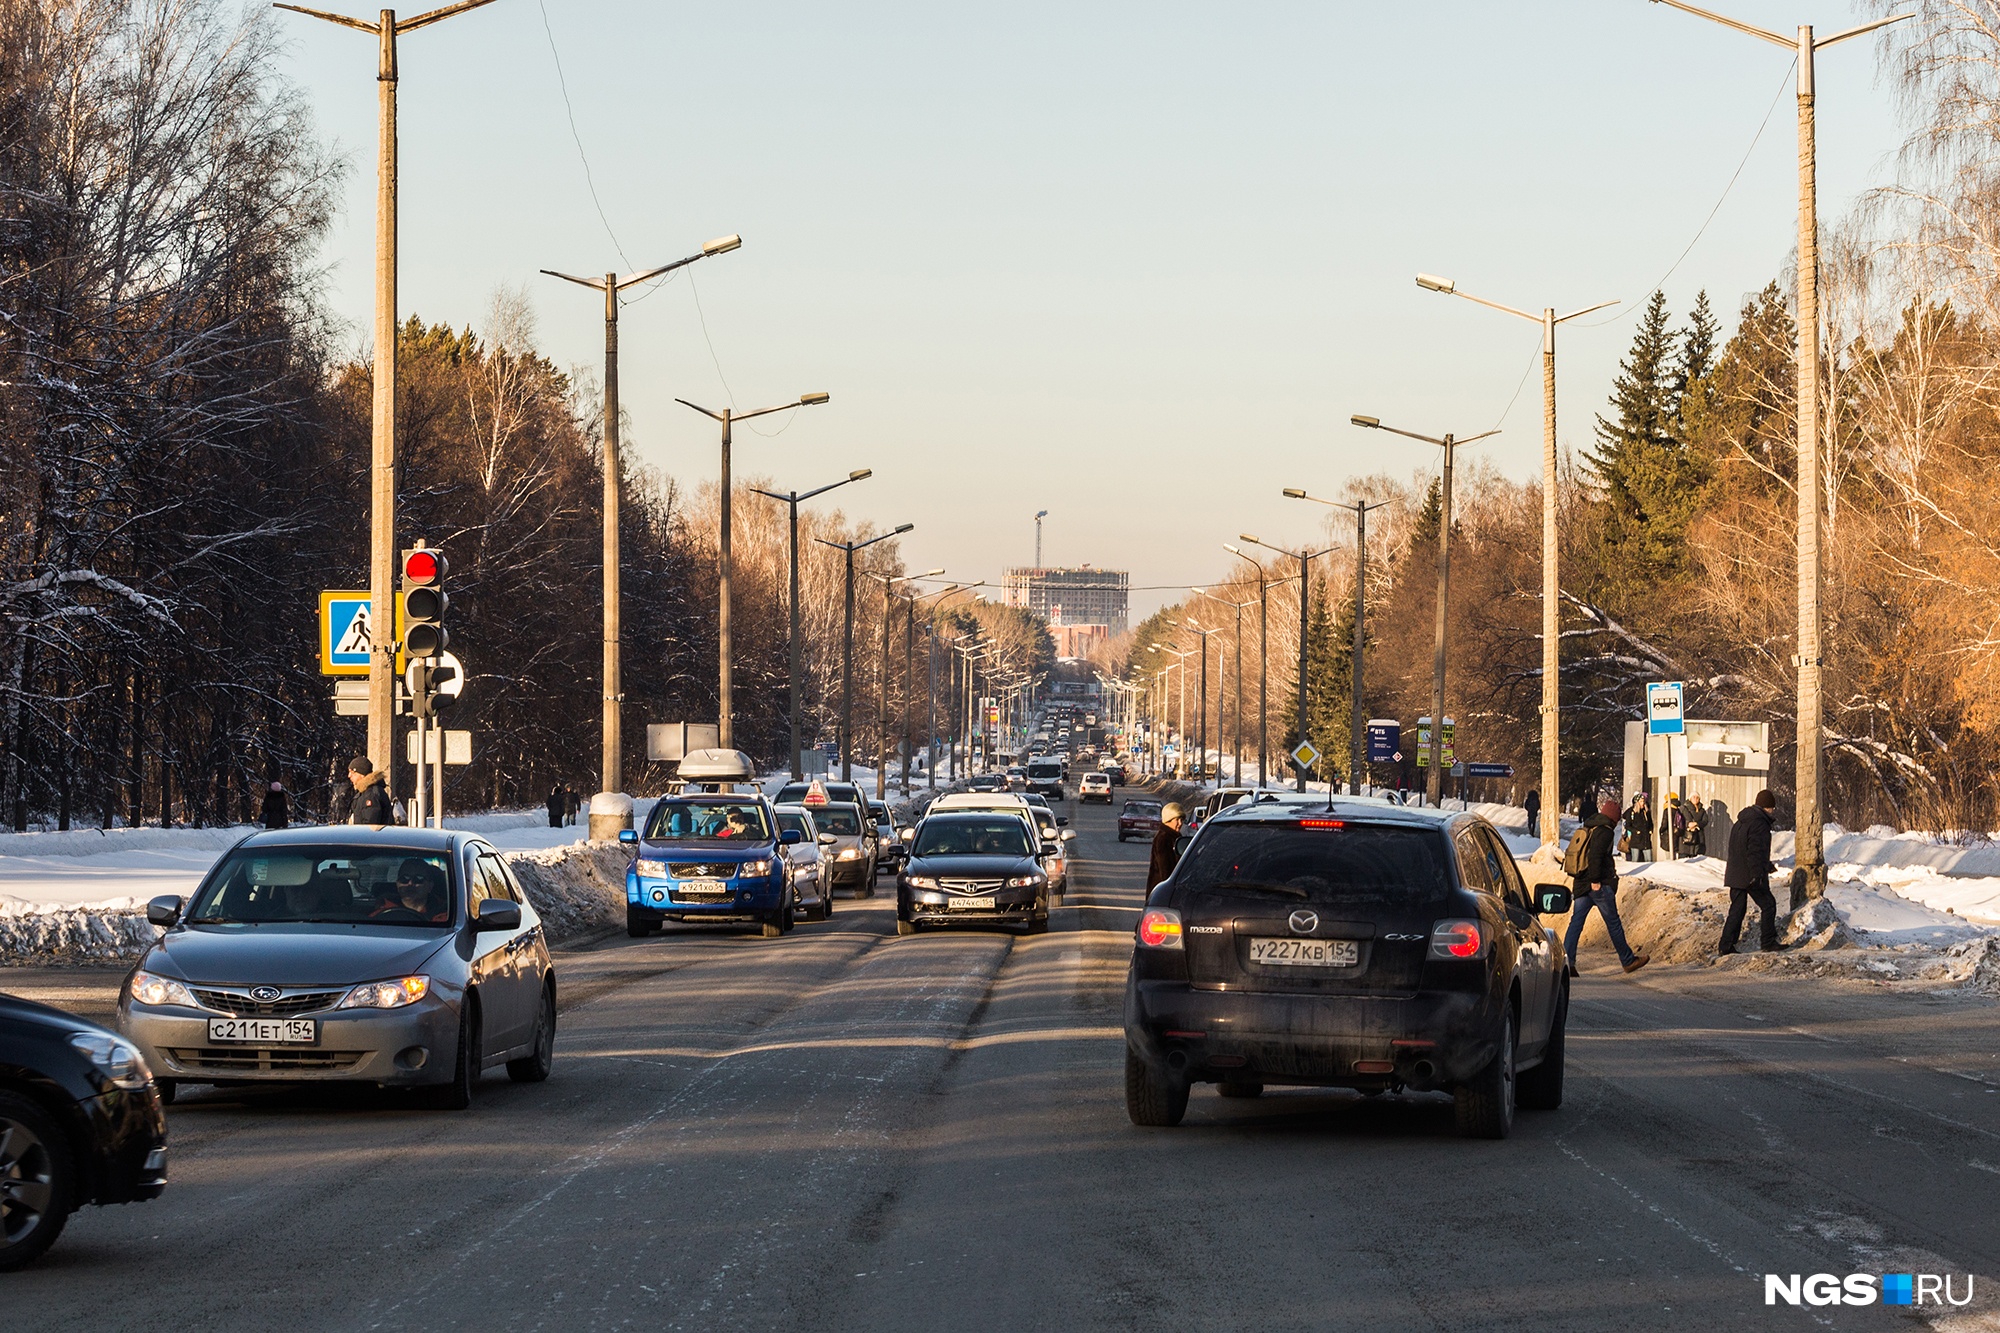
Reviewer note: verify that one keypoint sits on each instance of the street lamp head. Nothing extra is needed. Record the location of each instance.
(902, 528)
(813, 399)
(722, 245)
(1246, 537)
(1041, 513)
(1233, 550)
(929, 573)
(861, 474)
(1372, 423)
(1434, 284)
(1294, 493)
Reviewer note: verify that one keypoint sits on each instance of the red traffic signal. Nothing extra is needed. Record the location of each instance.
(422, 566)
(424, 602)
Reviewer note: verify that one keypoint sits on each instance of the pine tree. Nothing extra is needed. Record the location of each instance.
(1642, 395)
(1326, 706)
(1652, 482)
(1424, 535)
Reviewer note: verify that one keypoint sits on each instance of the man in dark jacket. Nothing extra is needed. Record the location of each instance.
(557, 805)
(277, 811)
(1747, 876)
(1164, 856)
(371, 803)
(1597, 887)
(1533, 805)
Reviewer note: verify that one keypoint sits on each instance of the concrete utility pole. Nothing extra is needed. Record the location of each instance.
(613, 758)
(1551, 776)
(382, 461)
(889, 582)
(1305, 559)
(1357, 751)
(795, 681)
(1236, 746)
(1434, 783)
(1809, 880)
(847, 648)
(725, 665)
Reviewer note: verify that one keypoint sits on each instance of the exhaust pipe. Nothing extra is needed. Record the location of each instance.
(1178, 1062)
(1423, 1071)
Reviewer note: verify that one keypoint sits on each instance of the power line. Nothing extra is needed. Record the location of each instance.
(589, 181)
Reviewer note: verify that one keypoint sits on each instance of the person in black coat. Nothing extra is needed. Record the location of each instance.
(277, 811)
(1164, 855)
(1639, 829)
(1597, 887)
(557, 804)
(1533, 805)
(371, 804)
(1747, 876)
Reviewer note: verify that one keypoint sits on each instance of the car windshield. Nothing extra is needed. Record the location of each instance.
(344, 885)
(973, 835)
(791, 823)
(708, 821)
(1347, 864)
(842, 819)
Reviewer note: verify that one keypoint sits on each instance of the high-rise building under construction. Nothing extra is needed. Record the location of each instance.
(1080, 596)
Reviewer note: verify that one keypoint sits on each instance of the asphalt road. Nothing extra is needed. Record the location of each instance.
(843, 1129)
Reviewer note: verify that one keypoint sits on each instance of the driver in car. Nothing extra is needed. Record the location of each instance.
(418, 889)
(735, 824)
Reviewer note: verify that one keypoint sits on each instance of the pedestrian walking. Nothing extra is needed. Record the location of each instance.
(371, 804)
(556, 804)
(1594, 876)
(277, 810)
(1639, 829)
(1747, 876)
(1533, 805)
(569, 804)
(1164, 855)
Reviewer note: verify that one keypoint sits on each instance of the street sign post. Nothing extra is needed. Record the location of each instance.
(1424, 742)
(1385, 740)
(457, 746)
(1489, 770)
(1666, 714)
(343, 634)
(1305, 754)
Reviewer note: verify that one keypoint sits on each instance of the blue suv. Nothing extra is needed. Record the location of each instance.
(710, 858)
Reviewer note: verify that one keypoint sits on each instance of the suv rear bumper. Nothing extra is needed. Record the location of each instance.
(1429, 1040)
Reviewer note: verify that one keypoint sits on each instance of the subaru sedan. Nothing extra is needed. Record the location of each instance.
(406, 958)
(1350, 945)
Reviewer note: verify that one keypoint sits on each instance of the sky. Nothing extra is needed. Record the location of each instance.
(1134, 264)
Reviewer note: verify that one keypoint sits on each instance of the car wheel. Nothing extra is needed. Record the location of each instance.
(905, 927)
(457, 1094)
(167, 1089)
(1037, 926)
(1485, 1102)
(1541, 1088)
(1155, 1100)
(534, 1067)
(638, 927)
(773, 926)
(825, 904)
(1245, 1091)
(37, 1181)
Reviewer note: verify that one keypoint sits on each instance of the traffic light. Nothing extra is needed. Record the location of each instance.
(424, 603)
(431, 687)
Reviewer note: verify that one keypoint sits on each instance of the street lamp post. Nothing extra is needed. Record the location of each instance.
(847, 647)
(1305, 560)
(382, 430)
(1201, 704)
(792, 500)
(1180, 724)
(1809, 879)
(613, 759)
(1357, 707)
(889, 582)
(1434, 783)
(1551, 777)
(725, 664)
(1237, 748)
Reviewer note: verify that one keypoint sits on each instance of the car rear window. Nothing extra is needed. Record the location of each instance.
(1341, 864)
(1150, 809)
(842, 819)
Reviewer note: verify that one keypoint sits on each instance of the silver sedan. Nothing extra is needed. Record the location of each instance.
(399, 957)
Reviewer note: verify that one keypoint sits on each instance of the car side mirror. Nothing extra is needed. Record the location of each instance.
(909, 835)
(497, 914)
(1062, 821)
(1051, 848)
(628, 836)
(1551, 899)
(1069, 835)
(164, 910)
(827, 840)
(791, 836)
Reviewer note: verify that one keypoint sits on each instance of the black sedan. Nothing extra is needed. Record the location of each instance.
(1355, 945)
(974, 865)
(80, 1123)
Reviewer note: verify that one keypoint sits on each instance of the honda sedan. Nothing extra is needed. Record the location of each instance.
(398, 957)
(1350, 945)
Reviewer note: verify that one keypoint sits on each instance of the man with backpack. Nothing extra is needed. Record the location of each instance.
(1594, 883)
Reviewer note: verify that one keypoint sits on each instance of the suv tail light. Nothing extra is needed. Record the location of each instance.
(1458, 940)
(1160, 929)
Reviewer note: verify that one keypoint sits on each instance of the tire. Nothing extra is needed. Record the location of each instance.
(905, 927)
(1485, 1102)
(167, 1089)
(457, 1094)
(1121, 837)
(1541, 1088)
(1241, 1091)
(1037, 926)
(638, 927)
(825, 903)
(790, 917)
(37, 1181)
(534, 1067)
(1154, 1101)
(773, 928)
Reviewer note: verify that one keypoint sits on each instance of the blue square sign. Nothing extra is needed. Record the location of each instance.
(1664, 712)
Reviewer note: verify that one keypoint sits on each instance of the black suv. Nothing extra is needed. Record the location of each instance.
(1357, 945)
(80, 1123)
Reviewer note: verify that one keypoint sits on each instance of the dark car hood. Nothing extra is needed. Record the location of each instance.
(16, 1011)
(292, 955)
(973, 867)
(731, 850)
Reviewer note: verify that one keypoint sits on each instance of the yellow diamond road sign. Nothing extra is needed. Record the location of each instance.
(1305, 756)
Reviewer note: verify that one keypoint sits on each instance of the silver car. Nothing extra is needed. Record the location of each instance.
(812, 886)
(400, 957)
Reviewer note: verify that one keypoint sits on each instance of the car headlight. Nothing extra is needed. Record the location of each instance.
(921, 882)
(851, 854)
(650, 869)
(387, 994)
(149, 989)
(1024, 881)
(756, 868)
(116, 1060)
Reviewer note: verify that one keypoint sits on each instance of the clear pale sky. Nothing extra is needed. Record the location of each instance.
(1135, 264)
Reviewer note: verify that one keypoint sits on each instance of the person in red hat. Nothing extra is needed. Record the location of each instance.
(1589, 859)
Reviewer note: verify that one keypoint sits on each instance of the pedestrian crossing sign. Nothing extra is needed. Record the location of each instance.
(344, 629)
(1305, 755)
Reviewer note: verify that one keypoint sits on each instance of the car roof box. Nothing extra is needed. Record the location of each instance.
(717, 766)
